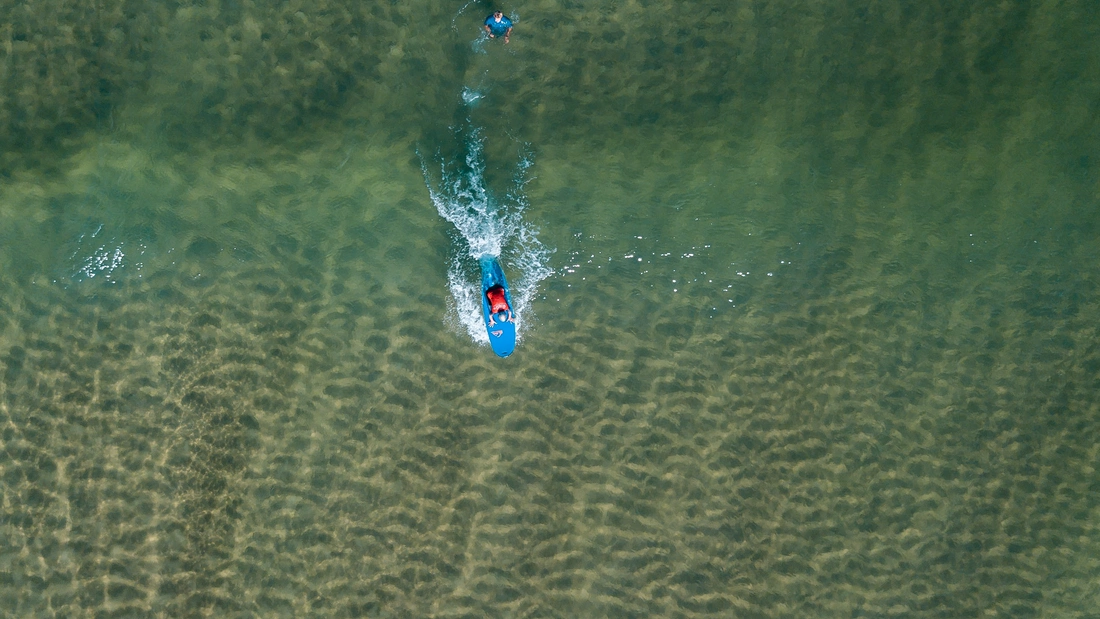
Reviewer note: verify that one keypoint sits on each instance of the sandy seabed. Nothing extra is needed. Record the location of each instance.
(817, 344)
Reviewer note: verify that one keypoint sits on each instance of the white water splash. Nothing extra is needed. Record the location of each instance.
(464, 306)
(99, 255)
(486, 226)
(470, 96)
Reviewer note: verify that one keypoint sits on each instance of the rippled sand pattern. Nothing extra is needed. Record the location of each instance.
(288, 434)
(262, 412)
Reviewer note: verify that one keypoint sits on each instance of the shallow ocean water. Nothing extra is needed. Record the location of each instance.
(819, 337)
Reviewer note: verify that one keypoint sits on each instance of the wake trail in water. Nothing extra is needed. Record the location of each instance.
(485, 225)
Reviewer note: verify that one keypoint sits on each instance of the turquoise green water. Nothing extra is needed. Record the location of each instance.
(818, 337)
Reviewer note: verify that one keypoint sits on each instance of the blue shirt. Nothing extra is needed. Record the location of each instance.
(498, 28)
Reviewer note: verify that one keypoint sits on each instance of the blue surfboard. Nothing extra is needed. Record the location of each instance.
(502, 333)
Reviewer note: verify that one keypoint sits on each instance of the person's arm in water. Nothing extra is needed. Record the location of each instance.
(507, 34)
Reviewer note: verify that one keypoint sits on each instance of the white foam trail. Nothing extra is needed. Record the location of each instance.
(464, 307)
(531, 264)
(461, 199)
(454, 20)
(487, 227)
(470, 96)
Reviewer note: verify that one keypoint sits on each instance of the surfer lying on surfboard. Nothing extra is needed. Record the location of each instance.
(498, 304)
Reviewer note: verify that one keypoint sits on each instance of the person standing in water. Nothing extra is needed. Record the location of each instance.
(498, 25)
